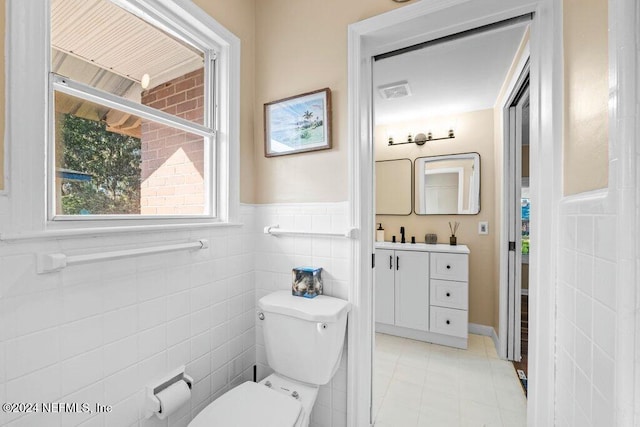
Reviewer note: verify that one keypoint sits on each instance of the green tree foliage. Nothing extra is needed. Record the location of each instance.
(112, 160)
(307, 115)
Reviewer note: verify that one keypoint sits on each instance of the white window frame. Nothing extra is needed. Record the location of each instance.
(28, 140)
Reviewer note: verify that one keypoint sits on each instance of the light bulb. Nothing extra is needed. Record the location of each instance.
(144, 82)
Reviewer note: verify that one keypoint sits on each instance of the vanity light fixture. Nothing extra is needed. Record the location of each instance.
(421, 138)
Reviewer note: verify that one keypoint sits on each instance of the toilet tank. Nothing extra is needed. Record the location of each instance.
(303, 337)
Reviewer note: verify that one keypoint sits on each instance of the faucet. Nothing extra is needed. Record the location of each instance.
(402, 233)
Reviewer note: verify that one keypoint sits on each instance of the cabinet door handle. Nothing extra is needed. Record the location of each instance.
(448, 322)
(390, 262)
(448, 294)
(397, 263)
(448, 267)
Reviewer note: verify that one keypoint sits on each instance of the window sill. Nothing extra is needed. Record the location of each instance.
(70, 233)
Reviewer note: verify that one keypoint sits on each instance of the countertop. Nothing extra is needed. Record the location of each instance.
(423, 247)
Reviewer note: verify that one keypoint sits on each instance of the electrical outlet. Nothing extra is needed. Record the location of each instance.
(483, 227)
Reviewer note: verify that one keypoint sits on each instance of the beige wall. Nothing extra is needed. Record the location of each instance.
(2, 98)
(292, 47)
(394, 180)
(301, 46)
(474, 133)
(586, 141)
(239, 16)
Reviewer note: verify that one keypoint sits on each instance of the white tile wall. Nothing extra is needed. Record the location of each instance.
(100, 332)
(274, 259)
(586, 303)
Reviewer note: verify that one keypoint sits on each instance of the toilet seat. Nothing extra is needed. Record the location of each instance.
(248, 405)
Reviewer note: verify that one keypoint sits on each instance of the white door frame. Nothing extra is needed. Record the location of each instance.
(624, 181)
(403, 27)
(458, 171)
(507, 309)
(522, 68)
(512, 190)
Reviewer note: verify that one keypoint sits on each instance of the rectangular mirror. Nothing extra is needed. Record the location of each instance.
(447, 185)
(394, 187)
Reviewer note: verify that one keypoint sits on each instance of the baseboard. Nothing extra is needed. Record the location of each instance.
(496, 340)
(484, 330)
(487, 331)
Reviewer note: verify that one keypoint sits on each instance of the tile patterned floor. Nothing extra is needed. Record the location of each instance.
(418, 384)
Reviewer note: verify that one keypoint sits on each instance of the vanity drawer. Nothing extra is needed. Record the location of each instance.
(445, 293)
(448, 321)
(450, 267)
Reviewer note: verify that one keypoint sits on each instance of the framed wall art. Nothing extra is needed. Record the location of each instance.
(298, 124)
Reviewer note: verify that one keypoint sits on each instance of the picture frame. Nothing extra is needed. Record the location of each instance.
(298, 124)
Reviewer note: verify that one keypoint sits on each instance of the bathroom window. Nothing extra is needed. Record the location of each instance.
(133, 123)
(92, 151)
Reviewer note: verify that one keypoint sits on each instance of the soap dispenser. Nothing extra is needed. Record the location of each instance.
(380, 233)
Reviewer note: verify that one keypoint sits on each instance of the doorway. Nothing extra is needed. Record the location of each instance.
(406, 26)
(459, 111)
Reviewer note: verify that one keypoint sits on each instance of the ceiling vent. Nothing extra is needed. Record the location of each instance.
(395, 90)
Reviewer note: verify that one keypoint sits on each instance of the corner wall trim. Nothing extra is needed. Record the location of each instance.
(487, 331)
(484, 330)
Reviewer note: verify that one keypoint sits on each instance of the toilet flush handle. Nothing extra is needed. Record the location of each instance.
(260, 315)
(321, 326)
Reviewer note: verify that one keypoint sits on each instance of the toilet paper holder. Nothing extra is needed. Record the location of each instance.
(152, 404)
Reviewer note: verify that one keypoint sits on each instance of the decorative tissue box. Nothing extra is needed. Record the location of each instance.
(307, 282)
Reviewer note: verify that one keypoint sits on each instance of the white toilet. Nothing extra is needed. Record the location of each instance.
(304, 341)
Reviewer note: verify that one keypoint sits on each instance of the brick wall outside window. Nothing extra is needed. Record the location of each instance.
(173, 160)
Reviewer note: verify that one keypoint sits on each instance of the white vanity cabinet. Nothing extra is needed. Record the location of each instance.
(449, 292)
(422, 292)
(402, 288)
(385, 287)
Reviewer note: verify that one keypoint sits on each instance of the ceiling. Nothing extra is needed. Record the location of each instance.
(99, 32)
(447, 78)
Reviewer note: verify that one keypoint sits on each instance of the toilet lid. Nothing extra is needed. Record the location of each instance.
(250, 404)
